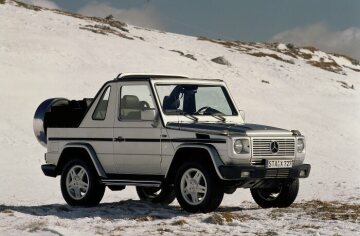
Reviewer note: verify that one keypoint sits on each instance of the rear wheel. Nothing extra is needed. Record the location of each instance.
(80, 185)
(197, 188)
(282, 196)
(164, 195)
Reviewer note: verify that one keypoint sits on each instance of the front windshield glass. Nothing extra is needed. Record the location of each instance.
(189, 99)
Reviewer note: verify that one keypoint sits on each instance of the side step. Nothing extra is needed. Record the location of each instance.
(143, 183)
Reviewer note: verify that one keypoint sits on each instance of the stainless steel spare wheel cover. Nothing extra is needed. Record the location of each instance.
(77, 182)
(193, 186)
(39, 125)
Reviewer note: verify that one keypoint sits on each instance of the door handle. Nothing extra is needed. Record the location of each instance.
(119, 139)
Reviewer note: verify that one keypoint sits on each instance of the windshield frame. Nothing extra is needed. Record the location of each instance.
(224, 89)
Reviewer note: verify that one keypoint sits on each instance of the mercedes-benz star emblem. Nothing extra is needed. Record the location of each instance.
(274, 147)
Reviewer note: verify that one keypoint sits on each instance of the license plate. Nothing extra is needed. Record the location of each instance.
(278, 164)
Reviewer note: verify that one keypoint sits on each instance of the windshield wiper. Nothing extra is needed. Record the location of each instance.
(219, 117)
(187, 115)
(194, 118)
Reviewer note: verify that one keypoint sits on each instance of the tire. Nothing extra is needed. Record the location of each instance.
(281, 197)
(205, 193)
(164, 196)
(74, 177)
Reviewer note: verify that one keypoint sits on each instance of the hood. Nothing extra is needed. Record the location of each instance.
(230, 129)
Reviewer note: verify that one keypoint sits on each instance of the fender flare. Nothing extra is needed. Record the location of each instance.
(214, 156)
(92, 154)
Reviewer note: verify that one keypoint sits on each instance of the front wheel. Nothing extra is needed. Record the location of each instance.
(80, 185)
(282, 196)
(164, 195)
(197, 188)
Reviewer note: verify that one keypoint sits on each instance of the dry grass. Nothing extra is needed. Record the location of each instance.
(28, 6)
(222, 218)
(311, 49)
(139, 37)
(100, 230)
(276, 213)
(345, 85)
(331, 66)
(179, 222)
(330, 210)
(116, 231)
(289, 53)
(105, 25)
(108, 21)
(306, 56)
(267, 233)
(262, 54)
(104, 30)
(352, 69)
(190, 56)
(34, 226)
(352, 60)
(146, 218)
(304, 226)
(238, 45)
(6, 211)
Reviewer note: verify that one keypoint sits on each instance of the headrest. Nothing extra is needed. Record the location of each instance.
(171, 103)
(130, 101)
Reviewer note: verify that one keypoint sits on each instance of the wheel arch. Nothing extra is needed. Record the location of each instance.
(205, 152)
(83, 150)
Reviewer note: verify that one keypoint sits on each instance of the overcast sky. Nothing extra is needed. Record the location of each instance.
(332, 25)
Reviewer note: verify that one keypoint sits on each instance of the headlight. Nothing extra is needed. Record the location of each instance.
(241, 146)
(300, 145)
(238, 146)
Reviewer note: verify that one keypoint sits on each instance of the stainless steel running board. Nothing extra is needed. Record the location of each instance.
(144, 183)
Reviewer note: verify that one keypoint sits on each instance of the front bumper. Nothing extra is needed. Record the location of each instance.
(236, 172)
(49, 170)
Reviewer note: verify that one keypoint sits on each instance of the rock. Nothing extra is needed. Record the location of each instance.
(221, 61)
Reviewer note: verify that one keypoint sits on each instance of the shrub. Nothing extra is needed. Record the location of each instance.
(290, 46)
(109, 17)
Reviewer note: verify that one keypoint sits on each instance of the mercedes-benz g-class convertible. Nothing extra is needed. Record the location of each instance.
(170, 136)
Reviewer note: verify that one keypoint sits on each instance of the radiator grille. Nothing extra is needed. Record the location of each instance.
(262, 147)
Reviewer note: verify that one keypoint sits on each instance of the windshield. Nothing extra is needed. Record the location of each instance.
(195, 100)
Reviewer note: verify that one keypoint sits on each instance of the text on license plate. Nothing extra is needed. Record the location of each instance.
(278, 163)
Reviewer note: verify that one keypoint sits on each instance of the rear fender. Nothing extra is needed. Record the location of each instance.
(92, 155)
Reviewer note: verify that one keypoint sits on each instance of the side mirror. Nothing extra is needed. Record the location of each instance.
(148, 115)
(242, 114)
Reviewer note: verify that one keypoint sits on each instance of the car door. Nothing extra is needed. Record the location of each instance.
(137, 146)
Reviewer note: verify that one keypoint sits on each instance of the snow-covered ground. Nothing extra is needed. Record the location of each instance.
(46, 54)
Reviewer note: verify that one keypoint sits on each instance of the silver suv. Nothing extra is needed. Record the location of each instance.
(170, 136)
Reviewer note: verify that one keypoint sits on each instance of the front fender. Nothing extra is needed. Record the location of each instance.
(214, 155)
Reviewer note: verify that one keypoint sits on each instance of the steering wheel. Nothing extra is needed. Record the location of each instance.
(203, 109)
(144, 105)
